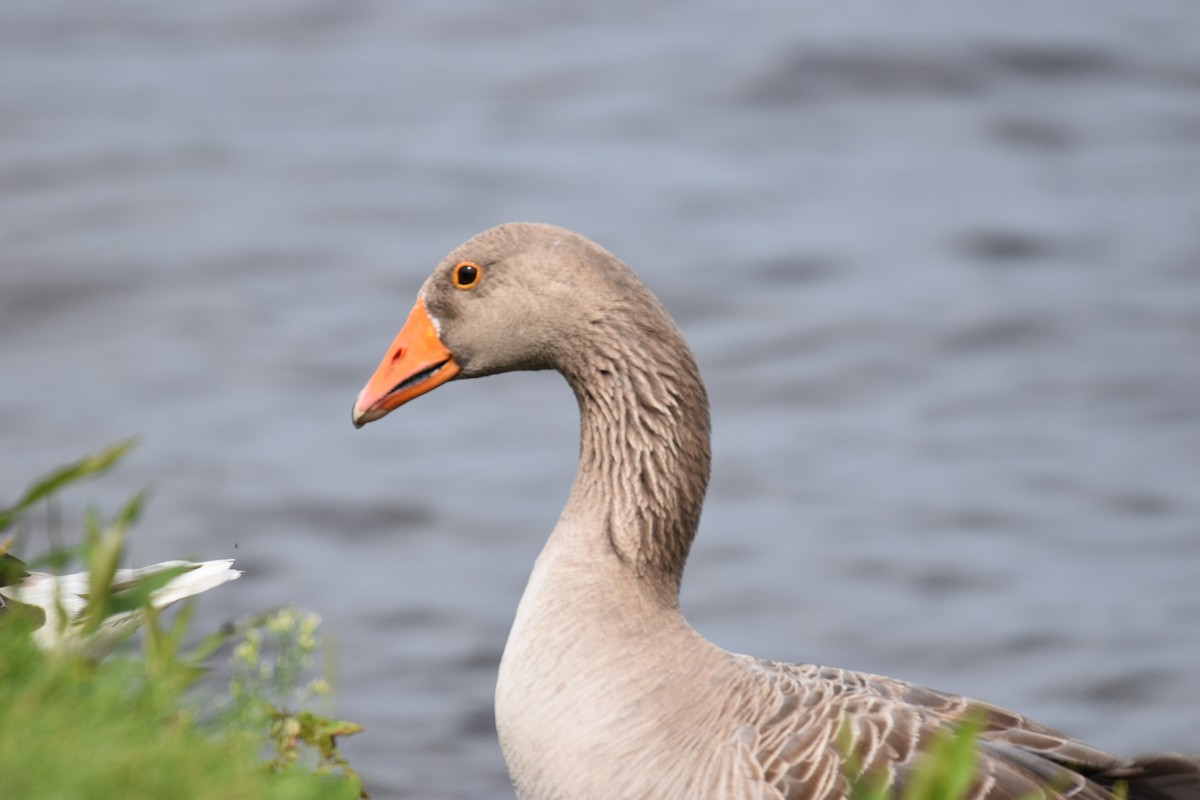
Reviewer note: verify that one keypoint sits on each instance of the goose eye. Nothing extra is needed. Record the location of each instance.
(467, 275)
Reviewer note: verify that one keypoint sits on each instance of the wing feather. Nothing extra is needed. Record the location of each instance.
(818, 716)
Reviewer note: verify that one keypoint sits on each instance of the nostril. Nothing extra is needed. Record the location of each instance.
(399, 354)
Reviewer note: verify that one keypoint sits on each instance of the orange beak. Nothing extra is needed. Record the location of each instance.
(417, 362)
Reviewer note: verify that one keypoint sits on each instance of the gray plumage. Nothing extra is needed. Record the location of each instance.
(604, 689)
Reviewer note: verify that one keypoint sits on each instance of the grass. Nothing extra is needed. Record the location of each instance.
(75, 730)
(140, 724)
(946, 770)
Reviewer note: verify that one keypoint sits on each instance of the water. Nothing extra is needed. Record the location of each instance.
(940, 263)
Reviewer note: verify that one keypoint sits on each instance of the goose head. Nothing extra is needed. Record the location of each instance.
(520, 296)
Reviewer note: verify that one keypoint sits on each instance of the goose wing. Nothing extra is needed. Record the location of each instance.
(819, 715)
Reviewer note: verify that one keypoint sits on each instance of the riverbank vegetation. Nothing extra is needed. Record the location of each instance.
(190, 714)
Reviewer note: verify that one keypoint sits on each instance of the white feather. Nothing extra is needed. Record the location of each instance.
(68, 594)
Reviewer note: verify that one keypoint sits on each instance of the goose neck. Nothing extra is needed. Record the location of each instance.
(644, 455)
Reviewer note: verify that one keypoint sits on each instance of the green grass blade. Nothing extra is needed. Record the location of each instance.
(102, 548)
(88, 466)
(139, 591)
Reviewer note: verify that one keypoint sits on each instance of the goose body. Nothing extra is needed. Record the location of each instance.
(62, 600)
(604, 689)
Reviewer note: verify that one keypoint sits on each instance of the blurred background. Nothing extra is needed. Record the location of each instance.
(939, 261)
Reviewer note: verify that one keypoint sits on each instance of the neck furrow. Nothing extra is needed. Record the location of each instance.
(643, 457)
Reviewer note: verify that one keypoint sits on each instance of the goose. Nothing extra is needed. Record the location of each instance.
(60, 600)
(604, 690)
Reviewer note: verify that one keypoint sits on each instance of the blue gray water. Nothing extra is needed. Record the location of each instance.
(939, 261)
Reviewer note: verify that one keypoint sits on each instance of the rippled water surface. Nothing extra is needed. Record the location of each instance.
(940, 263)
